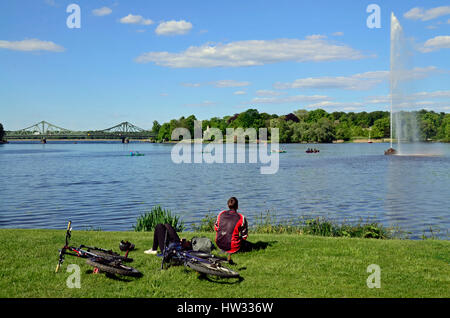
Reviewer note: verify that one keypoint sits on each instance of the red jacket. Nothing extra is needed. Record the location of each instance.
(231, 228)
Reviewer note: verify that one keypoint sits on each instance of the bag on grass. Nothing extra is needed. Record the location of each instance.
(202, 244)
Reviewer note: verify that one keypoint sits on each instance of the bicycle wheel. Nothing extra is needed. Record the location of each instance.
(212, 269)
(114, 268)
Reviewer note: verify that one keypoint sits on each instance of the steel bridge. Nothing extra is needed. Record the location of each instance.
(46, 130)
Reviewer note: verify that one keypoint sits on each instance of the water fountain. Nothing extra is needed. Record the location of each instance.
(403, 125)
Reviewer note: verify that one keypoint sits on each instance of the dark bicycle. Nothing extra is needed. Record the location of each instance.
(204, 263)
(101, 259)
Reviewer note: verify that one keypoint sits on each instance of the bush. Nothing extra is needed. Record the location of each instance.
(206, 224)
(324, 227)
(148, 221)
(268, 224)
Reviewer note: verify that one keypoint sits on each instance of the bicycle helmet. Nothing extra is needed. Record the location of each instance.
(126, 246)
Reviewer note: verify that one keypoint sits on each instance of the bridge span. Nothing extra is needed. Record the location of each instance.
(44, 130)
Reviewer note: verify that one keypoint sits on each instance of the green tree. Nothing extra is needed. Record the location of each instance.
(247, 119)
(343, 131)
(300, 132)
(302, 114)
(215, 122)
(316, 115)
(284, 129)
(320, 126)
(156, 127)
(358, 131)
(164, 133)
(444, 129)
(381, 128)
(2, 133)
(321, 131)
(429, 124)
(374, 116)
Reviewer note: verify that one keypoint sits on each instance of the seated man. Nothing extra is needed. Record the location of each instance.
(231, 229)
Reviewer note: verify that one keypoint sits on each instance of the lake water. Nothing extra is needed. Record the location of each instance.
(99, 185)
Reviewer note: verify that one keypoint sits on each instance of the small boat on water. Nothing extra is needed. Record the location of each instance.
(136, 154)
(279, 150)
(312, 150)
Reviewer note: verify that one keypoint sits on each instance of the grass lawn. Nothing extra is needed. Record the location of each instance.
(290, 266)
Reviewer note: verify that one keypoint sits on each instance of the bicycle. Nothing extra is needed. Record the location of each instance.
(102, 260)
(204, 263)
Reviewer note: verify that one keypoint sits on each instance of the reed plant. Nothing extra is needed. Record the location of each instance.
(268, 223)
(157, 215)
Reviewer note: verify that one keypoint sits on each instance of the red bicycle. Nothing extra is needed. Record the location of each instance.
(102, 260)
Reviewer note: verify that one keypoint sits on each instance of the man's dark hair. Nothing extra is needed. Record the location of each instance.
(233, 203)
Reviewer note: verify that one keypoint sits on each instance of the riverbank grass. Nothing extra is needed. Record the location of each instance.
(288, 265)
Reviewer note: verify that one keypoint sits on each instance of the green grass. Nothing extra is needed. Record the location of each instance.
(290, 266)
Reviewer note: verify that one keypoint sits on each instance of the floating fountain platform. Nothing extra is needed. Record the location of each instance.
(390, 151)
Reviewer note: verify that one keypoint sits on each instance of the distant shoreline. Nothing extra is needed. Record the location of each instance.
(356, 141)
(188, 141)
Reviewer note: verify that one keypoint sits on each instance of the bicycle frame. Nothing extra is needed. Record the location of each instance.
(174, 252)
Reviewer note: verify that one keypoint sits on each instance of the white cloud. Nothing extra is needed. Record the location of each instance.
(338, 33)
(51, 3)
(135, 19)
(173, 27)
(437, 100)
(345, 106)
(221, 83)
(316, 37)
(102, 11)
(253, 52)
(426, 15)
(229, 83)
(265, 92)
(435, 94)
(205, 103)
(360, 81)
(191, 84)
(289, 99)
(31, 45)
(240, 93)
(436, 43)
(378, 100)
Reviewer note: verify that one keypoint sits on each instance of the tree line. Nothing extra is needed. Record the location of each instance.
(316, 126)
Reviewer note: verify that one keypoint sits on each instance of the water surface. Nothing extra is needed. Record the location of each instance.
(99, 185)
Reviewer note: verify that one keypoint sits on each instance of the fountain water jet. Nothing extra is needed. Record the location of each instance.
(403, 125)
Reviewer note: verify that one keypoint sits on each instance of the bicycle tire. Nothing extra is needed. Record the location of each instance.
(109, 255)
(119, 269)
(212, 269)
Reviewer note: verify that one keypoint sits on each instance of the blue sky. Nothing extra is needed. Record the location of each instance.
(141, 61)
